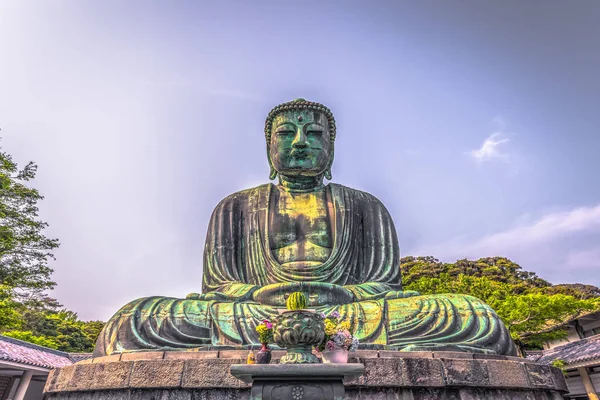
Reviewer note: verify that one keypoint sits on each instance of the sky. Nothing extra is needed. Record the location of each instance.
(475, 123)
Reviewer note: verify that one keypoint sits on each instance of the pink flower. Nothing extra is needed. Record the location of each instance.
(269, 325)
(330, 346)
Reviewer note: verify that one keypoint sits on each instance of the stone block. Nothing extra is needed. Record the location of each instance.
(479, 356)
(452, 354)
(422, 372)
(83, 376)
(221, 394)
(389, 378)
(560, 382)
(520, 359)
(276, 356)
(507, 374)
(63, 379)
(113, 375)
(159, 394)
(104, 359)
(483, 394)
(464, 372)
(164, 374)
(540, 376)
(556, 396)
(378, 394)
(210, 374)
(405, 354)
(437, 394)
(239, 354)
(382, 373)
(114, 395)
(143, 355)
(190, 355)
(538, 395)
(86, 361)
(51, 380)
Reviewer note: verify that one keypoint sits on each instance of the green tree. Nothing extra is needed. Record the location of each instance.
(9, 316)
(24, 249)
(499, 269)
(58, 329)
(577, 290)
(92, 329)
(533, 310)
(486, 289)
(535, 318)
(28, 336)
(26, 311)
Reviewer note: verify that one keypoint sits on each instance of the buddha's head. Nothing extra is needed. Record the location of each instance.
(300, 136)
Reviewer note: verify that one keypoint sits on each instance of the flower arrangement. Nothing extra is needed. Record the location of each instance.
(337, 334)
(265, 331)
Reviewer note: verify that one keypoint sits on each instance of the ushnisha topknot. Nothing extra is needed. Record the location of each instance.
(299, 104)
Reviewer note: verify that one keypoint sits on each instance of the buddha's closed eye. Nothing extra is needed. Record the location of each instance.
(285, 132)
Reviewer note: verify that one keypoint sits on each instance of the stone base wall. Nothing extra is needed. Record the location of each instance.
(388, 375)
(351, 394)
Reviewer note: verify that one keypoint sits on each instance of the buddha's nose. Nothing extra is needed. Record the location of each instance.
(300, 139)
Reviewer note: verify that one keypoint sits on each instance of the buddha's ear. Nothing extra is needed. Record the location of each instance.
(273, 173)
(328, 170)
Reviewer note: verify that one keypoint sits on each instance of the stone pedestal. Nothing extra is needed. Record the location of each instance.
(387, 375)
(297, 381)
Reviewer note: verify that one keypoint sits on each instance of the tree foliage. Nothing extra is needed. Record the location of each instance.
(534, 310)
(26, 312)
(44, 322)
(24, 249)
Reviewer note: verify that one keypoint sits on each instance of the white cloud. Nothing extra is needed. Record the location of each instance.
(523, 238)
(490, 149)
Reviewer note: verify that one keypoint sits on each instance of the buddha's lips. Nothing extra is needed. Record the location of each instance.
(299, 153)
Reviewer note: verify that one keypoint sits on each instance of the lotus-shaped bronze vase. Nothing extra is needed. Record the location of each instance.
(298, 331)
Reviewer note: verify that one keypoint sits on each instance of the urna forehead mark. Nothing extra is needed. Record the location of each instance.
(300, 117)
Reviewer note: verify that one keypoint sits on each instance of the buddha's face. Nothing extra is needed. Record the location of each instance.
(300, 143)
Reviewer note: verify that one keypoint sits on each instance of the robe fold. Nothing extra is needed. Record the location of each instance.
(364, 261)
(238, 257)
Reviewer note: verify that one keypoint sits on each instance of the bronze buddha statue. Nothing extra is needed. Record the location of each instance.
(336, 244)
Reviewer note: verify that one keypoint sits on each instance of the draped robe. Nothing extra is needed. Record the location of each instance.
(364, 260)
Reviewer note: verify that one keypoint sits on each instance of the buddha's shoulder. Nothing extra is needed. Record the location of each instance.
(355, 194)
(245, 195)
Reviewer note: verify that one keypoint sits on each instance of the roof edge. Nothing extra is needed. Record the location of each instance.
(34, 346)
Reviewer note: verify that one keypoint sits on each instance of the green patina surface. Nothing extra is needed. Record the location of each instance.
(335, 244)
(298, 331)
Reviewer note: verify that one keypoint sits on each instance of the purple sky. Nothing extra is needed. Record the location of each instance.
(476, 123)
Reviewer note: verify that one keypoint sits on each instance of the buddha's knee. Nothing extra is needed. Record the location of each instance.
(152, 323)
(159, 309)
(437, 304)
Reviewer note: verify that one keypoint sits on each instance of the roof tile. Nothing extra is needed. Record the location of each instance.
(21, 352)
(574, 352)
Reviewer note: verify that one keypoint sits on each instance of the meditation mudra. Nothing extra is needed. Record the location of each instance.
(336, 244)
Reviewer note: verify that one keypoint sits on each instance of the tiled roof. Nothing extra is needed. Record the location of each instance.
(21, 352)
(574, 352)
